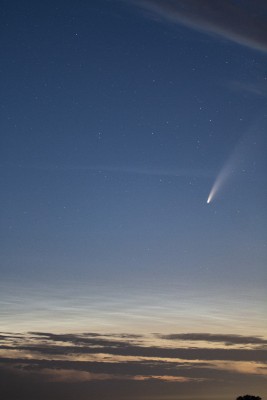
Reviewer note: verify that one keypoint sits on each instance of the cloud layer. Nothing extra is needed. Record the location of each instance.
(131, 354)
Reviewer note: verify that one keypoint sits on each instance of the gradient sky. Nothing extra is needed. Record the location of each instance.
(118, 279)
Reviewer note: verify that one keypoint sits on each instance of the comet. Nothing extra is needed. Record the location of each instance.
(239, 158)
(221, 179)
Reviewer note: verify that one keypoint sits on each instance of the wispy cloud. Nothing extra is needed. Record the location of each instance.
(130, 170)
(258, 89)
(240, 22)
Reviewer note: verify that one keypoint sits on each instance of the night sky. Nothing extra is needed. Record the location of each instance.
(133, 199)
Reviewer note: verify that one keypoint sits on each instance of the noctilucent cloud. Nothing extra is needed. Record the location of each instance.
(133, 176)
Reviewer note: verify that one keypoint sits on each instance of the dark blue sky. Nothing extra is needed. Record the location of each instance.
(117, 117)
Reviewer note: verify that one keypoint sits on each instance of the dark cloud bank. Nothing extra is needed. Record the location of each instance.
(226, 339)
(46, 365)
